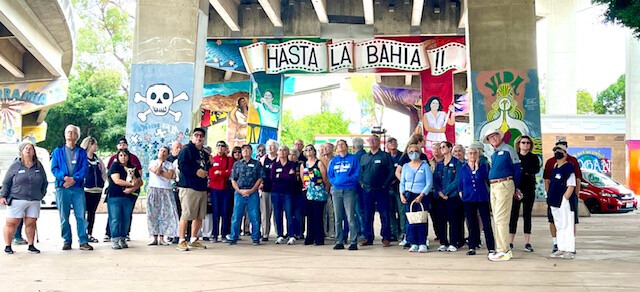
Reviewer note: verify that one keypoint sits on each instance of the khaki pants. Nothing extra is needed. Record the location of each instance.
(501, 200)
(266, 210)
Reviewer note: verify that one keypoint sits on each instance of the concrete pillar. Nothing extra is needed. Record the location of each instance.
(632, 108)
(167, 74)
(504, 75)
(561, 58)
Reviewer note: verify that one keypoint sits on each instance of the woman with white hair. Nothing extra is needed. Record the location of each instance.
(23, 187)
(266, 207)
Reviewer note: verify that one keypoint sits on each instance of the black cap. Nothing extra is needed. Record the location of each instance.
(123, 140)
(201, 130)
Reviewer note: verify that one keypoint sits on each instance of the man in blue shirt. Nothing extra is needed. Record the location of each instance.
(343, 172)
(69, 165)
(503, 177)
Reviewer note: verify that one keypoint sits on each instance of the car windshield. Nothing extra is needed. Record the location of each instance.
(600, 180)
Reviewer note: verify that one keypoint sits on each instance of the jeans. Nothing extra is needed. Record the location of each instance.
(376, 199)
(397, 222)
(92, 199)
(65, 198)
(252, 203)
(471, 210)
(119, 210)
(453, 218)
(344, 201)
(360, 215)
(416, 233)
(283, 203)
(315, 230)
(220, 200)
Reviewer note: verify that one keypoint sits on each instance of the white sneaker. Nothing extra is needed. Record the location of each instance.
(423, 248)
(442, 248)
(452, 248)
(499, 257)
(291, 241)
(403, 242)
(557, 254)
(568, 255)
(413, 248)
(280, 240)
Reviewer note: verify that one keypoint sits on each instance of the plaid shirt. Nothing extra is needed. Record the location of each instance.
(246, 173)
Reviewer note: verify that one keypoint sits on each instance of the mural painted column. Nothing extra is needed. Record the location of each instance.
(504, 76)
(167, 74)
(265, 107)
(632, 108)
(438, 112)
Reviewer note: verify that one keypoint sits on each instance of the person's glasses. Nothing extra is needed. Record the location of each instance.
(308, 149)
(198, 135)
(221, 145)
(472, 153)
(525, 142)
(443, 146)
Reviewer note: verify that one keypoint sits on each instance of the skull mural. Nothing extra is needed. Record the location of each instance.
(159, 97)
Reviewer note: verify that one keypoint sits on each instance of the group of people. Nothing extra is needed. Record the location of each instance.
(236, 191)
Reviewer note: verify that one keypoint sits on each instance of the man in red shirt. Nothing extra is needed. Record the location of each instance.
(221, 197)
(548, 167)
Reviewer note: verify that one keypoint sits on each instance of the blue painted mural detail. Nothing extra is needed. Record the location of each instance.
(159, 108)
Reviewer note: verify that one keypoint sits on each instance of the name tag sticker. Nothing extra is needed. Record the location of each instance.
(377, 161)
(73, 162)
(37, 171)
(216, 164)
(501, 152)
(450, 164)
(558, 176)
(250, 165)
(21, 171)
(395, 165)
(278, 169)
(421, 171)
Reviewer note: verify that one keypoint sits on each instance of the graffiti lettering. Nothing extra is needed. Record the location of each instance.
(28, 96)
(504, 77)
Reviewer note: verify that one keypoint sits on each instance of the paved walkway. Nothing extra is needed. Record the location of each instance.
(608, 258)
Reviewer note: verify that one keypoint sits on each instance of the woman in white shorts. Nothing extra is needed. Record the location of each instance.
(23, 187)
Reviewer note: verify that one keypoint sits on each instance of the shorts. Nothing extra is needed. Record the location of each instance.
(193, 203)
(23, 208)
(575, 213)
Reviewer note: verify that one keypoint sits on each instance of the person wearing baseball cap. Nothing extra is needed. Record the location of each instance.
(560, 192)
(548, 168)
(504, 176)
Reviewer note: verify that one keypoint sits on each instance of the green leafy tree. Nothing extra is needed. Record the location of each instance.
(95, 104)
(623, 12)
(611, 100)
(327, 123)
(584, 101)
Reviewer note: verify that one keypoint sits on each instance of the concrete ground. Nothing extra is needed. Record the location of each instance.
(608, 259)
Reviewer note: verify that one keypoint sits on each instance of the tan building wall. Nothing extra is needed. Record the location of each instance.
(615, 141)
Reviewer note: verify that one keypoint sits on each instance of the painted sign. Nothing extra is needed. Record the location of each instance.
(159, 108)
(438, 115)
(225, 111)
(264, 108)
(596, 159)
(633, 171)
(326, 57)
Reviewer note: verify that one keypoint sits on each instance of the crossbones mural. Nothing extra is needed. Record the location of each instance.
(159, 98)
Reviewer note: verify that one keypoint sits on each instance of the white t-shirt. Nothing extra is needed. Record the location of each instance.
(157, 181)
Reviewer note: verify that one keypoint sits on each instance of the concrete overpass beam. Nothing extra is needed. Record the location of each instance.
(11, 58)
(272, 8)
(320, 6)
(368, 11)
(228, 10)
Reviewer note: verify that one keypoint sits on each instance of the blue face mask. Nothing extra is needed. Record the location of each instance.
(414, 155)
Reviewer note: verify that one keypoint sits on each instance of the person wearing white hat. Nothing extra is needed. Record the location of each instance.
(504, 176)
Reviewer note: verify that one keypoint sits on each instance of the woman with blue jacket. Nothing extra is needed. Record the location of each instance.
(415, 181)
(473, 185)
(445, 184)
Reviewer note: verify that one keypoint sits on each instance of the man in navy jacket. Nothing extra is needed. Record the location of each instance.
(69, 165)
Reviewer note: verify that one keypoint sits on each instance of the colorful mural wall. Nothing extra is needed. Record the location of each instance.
(23, 98)
(406, 101)
(438, 116)
(633, 158)
(264, 107)
(595, 159)
(160, 108)
(225, 112)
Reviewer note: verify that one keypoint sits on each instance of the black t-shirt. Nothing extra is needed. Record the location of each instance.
(115, 190)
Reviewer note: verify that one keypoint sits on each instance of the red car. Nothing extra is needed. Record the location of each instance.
(603, 194)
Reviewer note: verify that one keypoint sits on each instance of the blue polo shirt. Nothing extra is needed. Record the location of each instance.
(505, 163)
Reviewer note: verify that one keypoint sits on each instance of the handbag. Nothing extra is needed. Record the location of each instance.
(417, 217)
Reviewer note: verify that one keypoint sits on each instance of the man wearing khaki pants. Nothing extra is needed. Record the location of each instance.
(503, 177)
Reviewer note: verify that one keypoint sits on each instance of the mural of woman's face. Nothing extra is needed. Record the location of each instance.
(434, 105)
(267, 97)
(242, 102)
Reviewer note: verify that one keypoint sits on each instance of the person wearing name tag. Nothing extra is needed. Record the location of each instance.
(504, 176)
(94, 182)
(397, 218)
(415, 184)
(283, 175)
(246, 177)
(162, 214)
(560, 193)
(124, 179)
(24, 185)
(445, 185)
(376, 174)
(316, 188)
(266, 205)
(473, 185)
(221, 197)
(343, 173)
(69, 165)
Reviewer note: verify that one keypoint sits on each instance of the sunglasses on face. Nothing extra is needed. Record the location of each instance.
(309, 149)
(443, 146)
(234, 152)
(525, 142)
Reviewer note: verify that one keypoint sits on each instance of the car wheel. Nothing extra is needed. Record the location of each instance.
(593, 206)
